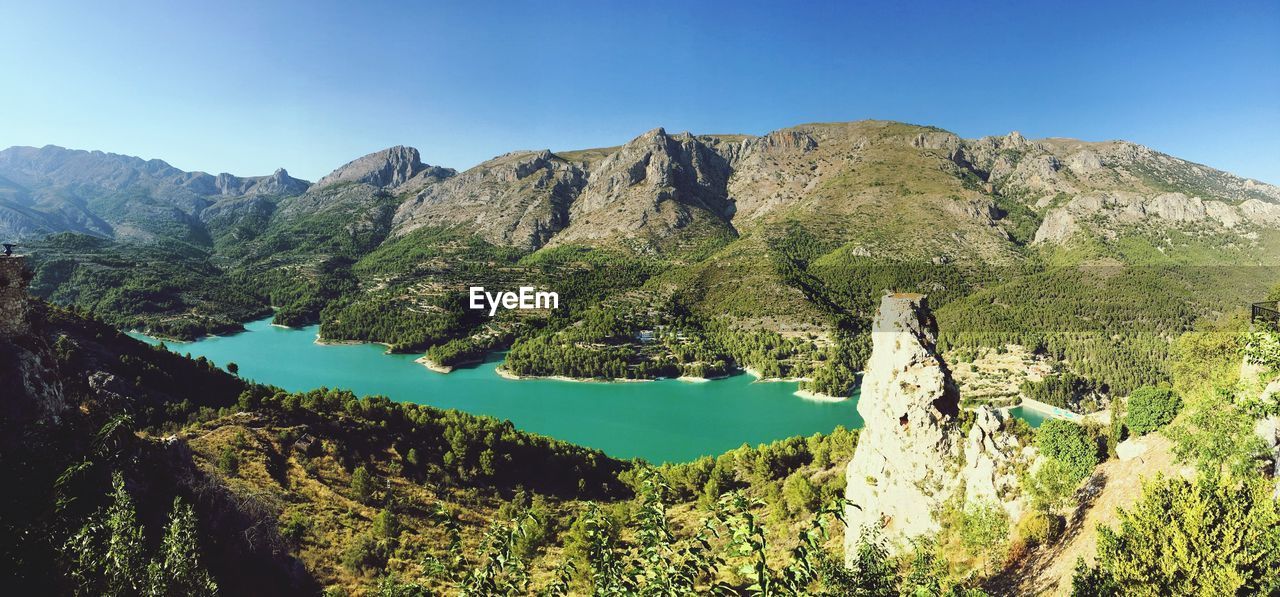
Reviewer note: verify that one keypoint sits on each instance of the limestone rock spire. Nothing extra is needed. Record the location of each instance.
(899, 473)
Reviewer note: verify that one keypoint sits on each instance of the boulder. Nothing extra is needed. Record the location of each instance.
(1130, 449)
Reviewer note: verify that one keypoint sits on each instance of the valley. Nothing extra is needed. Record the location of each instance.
(659, 421)
(763, 252)
(928, 292)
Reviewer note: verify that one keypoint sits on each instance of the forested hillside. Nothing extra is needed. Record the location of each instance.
(137, 471)
(679, 254)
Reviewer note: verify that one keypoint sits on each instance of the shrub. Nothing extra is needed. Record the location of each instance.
(366, 552)
(1210, 537)
(1151, 408)
(1070, 445)
(1040, 528)
(295, 527)
(800, 494)
(228, 460)
(1051, 486)
(984, 529)
(386, 525)
(362, 484)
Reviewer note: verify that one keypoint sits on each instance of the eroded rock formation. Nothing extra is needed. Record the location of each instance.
(913, 454)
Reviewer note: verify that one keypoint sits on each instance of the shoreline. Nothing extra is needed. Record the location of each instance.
(1049, 409)
(753, 372)
(503, 373)
(426, 361)
(169, 339)
(817, 397)
(432, 365)
(322, 341)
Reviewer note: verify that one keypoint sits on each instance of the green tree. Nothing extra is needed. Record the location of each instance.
(984, 530)
(229, 461)
(1051, 486)
(872, 572)
(362, 484)
(1211, 537)
(1216, 436)
(386, 524)
(233, 368)
(1069, 444)
(799, 493)
(107, 554)
(1151, 408)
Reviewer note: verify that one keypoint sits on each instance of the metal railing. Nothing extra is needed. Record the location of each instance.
(1265, 312)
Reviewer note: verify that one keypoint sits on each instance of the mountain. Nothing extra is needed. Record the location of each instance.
(767, 251)
(116, 196)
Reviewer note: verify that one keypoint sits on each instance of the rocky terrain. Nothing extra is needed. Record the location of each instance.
(913, 455)
(796, 232)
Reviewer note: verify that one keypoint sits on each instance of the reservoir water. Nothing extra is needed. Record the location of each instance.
(660, 421)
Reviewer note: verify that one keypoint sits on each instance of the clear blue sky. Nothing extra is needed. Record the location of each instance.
(246, 87)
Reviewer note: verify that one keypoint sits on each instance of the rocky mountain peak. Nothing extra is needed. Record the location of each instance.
(388, 168)
(278, 183)
(650, 187)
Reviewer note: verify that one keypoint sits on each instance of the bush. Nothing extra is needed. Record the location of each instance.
(1051, 486)
(362, 484)
(386, 525)
(366, 552)
(800, 494)
(1210, 537)
(228, 461)
(1040, 528)
(984, 529)
(295, 527)
(1151, 408)
(1070, 445)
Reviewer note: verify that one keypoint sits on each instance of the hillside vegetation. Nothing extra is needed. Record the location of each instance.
(762, 252)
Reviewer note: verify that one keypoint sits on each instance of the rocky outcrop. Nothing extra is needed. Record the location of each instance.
(519, 199)
(906, 460)
(14, 277)
(28, 369)
(912, 455)
(389, 168)
(279, 183)
(1268, 430)
(1113, 209)
(650, 188)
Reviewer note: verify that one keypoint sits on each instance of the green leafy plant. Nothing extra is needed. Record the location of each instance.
(1151, 408)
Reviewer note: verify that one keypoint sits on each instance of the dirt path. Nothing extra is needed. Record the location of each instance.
(1116, 484)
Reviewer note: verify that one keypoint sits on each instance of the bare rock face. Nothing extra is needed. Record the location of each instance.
(650, 188)
(1268, 430)
(907, 456)
(29, 369)
(389, 168)
(279, 183)
(912, 455)
(521, 198)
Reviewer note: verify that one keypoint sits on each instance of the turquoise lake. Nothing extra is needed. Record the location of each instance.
(660, 421)
(1030, 415)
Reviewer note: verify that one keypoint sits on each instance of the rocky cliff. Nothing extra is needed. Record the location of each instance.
(913, 455)
(520, 198)
(392, 167)
(28, 369)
